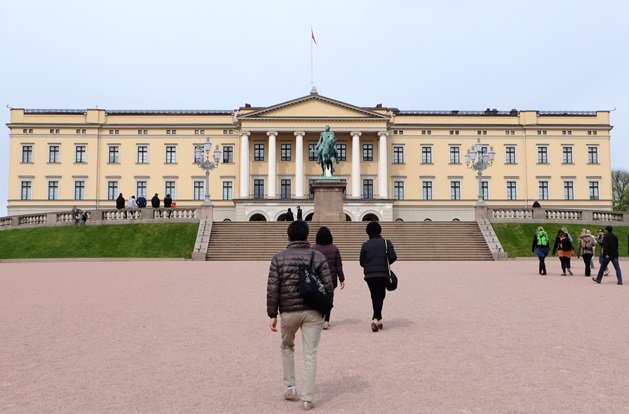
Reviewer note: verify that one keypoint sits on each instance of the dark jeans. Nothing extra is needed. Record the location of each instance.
(541, 253)
(604, 266)
(565, 263)
(378, 292)
(600, 261)
(587, 259)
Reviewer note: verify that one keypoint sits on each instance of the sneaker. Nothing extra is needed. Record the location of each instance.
(563, 274)
(596, 280)
(619, 283)
(606, 273)
(291, 392)
(308, 406)
(570, 271)
(326, 325)
(374, 327)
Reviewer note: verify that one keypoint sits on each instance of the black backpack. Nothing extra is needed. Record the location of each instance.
(312, 290)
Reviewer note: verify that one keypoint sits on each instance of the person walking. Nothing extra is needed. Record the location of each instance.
(587, 244)
(565, 252)
(84, 217)
(289, 215)
(75, 214)
(601, 254)
(540, 248)
(155, 201)
(300, 214)
(610, 245)
(375, 257)
(324, 244)
(283, 294)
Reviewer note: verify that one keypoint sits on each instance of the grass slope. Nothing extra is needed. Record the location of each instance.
(170, 240)
(517, 238)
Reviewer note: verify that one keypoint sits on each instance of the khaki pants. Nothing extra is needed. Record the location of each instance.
(311, 324)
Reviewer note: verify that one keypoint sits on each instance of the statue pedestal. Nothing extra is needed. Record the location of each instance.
(328, 200)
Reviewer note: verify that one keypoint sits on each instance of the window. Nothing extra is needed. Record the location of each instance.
(592, 133)
(143, 154)
(27, 153)
(509, 132)
(171, 155)
(284, 152)
(53, 190)
(455, 155)
(112, 190)
(228, 190)
(568, 190)
(455, 190)
(398, 155)
(199, 193)
(53, 154)
(398, 190)
(114, 154)
(81, 131)
(171, 131)
(426, 155)
(592, 155)
(26, 192)
(258, 152)
(199, 131)
(199, 153)
(542, 132)
(512, 190)
(543, 190)
(484, 190)
(368, 187)
(169, 188)
(367, 152)
(426, 190)
(258, 188)
(312, 153)
(594, 194)
(79, 190)
(510, 155)
(481, 132)
(80, 154)
(567, 155)
(455, 132)
(341, 152)
(140, 189)
(426, 132)
(228, 154)
(566, 132)
(114, 131)
(542, 155)
(285, 190)
(142, 131)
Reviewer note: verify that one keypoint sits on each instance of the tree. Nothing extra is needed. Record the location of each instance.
(620, 190)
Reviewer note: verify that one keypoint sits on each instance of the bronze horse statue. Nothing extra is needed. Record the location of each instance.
(326, 147)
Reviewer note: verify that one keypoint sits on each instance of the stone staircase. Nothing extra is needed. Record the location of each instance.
(259, 241)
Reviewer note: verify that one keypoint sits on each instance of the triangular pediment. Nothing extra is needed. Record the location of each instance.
(313, 107)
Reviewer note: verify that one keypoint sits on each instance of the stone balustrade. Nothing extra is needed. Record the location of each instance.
(127, 215)
(542, 215)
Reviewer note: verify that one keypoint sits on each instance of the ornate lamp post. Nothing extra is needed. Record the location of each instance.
(479, 160)
(204, 162)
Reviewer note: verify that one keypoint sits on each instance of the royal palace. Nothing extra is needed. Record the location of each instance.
(398, 164)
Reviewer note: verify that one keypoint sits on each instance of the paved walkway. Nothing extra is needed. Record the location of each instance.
(190, 337)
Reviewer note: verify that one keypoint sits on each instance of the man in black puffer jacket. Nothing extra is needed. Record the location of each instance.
(283, 294)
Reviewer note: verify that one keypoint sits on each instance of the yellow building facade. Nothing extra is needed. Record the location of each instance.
(398, 164)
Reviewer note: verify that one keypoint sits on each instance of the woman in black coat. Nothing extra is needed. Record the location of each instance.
(375, 258)
(333, 256)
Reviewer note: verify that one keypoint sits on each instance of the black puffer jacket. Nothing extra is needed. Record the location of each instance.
(373, 258)
(283, 284)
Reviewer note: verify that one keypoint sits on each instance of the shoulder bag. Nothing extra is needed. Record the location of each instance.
(391, 283)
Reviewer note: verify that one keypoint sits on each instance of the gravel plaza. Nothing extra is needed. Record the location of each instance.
(156, 336)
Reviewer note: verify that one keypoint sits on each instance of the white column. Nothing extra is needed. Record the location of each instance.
(383, 163)
(272, 193)
(299, 164)
(356, 164)
(244, 165)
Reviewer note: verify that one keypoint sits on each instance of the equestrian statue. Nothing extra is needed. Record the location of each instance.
(326, 149)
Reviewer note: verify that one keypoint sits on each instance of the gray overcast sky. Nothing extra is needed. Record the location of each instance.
(424, 54)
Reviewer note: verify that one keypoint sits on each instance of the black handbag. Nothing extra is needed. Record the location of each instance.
(312, 290)
(391, 283)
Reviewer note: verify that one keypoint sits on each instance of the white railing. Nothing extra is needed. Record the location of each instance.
(607, 216)
(509, 213)
(563, 215)
(506, 214)
(143, 215)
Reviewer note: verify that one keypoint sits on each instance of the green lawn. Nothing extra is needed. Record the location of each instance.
(170, 240)
(516, 238)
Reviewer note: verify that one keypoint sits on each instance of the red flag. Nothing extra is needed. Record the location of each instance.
(313, 38)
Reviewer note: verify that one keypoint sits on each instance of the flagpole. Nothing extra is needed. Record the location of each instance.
(311, 59)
